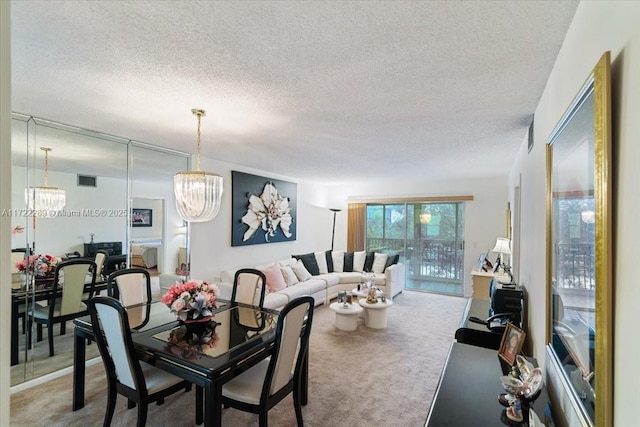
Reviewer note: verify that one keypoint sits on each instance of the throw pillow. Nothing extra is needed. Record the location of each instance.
(301, 272)
(289, 276)
(275, 281)
(379, 263)
(310, 263)
(358, 261)
(337, 259)
(368, 262)
(321, 260)
(329, 259)
(391, 260)
(348, 262)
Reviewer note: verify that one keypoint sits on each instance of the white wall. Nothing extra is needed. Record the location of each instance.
(596, 28)
(211, 250)
(485, 216)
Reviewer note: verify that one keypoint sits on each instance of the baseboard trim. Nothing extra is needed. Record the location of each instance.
(48, 377)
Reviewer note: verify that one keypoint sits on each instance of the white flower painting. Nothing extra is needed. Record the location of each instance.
(269, 211)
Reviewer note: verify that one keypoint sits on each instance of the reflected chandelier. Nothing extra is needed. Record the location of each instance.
(45, 201)
(198, 193)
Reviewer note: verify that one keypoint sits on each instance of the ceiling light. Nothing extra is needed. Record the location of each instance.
(45, 201)
(198, 193)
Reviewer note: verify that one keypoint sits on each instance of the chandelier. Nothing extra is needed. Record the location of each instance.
(198, 193)
(45, 201)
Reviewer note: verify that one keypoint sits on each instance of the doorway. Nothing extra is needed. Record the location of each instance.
(429, 235)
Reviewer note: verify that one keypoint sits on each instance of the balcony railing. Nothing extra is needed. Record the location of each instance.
(575, 266)
(435, 260)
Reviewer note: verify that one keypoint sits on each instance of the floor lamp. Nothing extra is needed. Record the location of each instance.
(333, 232)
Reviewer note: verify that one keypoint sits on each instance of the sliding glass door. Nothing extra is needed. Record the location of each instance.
(430, 237)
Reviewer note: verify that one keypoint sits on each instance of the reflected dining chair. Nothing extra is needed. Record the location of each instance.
(262, 386)
(65, 301)
(101, 261)
(132, 287)
(136, 380)
(249, 286)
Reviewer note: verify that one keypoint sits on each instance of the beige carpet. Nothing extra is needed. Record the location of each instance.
(363, 378)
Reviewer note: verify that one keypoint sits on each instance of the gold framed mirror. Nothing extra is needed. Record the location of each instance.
(579, 249)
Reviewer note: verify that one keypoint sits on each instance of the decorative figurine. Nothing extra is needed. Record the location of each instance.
(371, 296)
(514, 412)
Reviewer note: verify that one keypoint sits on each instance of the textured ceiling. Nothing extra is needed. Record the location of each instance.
(320, 91)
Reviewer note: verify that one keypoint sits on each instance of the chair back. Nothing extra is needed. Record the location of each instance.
(291, 344)
(132, 287)
(73, 274)
(249, 287)
(100, 260)
(110, 325)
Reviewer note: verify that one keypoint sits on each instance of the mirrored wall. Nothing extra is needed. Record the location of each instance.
(119, 198)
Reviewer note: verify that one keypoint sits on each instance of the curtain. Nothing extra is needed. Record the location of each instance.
(356, 221)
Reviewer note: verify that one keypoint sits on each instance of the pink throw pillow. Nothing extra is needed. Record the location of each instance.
(275, 280)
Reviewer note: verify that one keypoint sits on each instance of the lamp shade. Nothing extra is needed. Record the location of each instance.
(198, 195)
(502, 246)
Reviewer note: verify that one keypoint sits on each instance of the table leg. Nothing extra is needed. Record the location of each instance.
(79, 355)
(212, 404)
(14, 331)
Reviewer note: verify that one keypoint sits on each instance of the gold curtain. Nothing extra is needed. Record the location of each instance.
(356, 226)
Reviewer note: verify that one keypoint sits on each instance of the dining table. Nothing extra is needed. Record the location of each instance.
(237, 337)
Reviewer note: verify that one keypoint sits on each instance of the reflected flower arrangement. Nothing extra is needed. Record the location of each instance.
(269, 211)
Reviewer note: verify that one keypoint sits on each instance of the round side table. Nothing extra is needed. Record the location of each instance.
(346, 317)
(375, 315)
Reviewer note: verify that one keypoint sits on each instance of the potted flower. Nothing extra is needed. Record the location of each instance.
(192, 301)
(38, 264)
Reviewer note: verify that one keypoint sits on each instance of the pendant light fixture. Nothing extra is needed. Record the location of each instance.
(45, 201)
(198, 193)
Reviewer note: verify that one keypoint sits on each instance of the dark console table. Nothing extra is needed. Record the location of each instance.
(112, 248)
(468, 391)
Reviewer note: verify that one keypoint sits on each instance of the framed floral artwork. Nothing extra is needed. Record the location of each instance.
(263, 210)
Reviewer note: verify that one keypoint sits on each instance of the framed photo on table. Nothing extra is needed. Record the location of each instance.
(512, 342)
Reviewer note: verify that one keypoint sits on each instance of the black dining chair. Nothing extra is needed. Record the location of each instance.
(249, 287)
(262, 386)
(134, 379)
(132, 287)
(65, 301)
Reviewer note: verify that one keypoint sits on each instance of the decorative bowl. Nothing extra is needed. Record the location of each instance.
(510, 384)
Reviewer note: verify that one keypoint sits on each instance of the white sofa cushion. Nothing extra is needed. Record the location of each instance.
(358, 261)
(301, 272)
(332, 279)
(350, 277)
(275, 300)
(379, 262)
(289, 276)
(338, 261)
(321, 259)
(309, 287)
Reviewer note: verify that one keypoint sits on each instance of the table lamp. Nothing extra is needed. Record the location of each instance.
(502, 247)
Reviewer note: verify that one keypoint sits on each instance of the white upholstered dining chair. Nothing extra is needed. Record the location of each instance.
(138, 381)
(262, 386)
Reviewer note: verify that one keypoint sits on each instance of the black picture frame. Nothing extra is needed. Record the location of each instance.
(141, 217)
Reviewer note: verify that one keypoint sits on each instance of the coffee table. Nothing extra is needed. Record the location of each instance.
(375, 315)
(346, 317)
(364, 292)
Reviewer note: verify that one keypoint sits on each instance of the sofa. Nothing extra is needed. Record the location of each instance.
(322, 275)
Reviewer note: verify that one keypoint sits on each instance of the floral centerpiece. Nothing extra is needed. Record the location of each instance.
(192, 301)
(40, 265)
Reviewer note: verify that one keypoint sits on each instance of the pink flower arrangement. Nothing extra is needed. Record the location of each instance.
(38, 264)
(192, 300)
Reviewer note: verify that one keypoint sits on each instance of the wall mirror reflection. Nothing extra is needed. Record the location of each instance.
(579, 249)
(102, 176)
